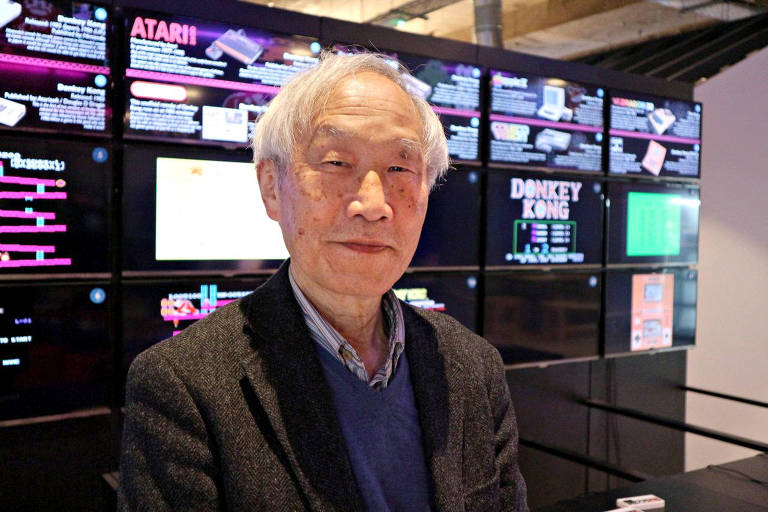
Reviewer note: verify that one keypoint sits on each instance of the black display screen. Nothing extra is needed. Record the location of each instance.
(54, 67)
(545, 122)
(654, 136)
(537, 317)
(454, 207)
(54, 348)
(54, 200)
(649, 310)
(193, 80)
(154, 311)
(198, 211)
(543, 221)
(452, 293)
(653, 223)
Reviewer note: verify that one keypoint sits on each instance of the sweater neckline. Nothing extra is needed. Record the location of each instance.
(396, 381)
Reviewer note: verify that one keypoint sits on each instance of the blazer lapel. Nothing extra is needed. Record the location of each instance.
(288, 381)
(438, 390)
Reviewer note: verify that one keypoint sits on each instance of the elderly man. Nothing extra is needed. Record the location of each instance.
(321, 390)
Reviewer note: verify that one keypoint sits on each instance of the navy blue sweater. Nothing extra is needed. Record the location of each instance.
(383, 437)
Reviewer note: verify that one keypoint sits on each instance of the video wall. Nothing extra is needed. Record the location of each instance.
(129, 205)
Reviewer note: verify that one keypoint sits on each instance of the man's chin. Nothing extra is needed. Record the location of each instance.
(367, 281)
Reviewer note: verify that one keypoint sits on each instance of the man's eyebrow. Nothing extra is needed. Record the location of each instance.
(410, 146)
(407, 145)
(328, 130)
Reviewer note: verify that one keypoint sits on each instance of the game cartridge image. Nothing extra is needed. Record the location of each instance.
(652, 311)
(653, 161)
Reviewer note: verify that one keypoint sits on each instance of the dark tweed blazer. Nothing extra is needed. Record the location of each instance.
(234, 414)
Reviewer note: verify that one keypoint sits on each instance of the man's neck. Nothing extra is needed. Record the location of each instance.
(358, 319)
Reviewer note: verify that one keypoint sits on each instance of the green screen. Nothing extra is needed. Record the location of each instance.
(653, 224)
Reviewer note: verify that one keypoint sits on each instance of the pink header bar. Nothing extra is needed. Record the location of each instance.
(33, 195)
(455, 112)
(54, 64)
(18, 214)
(27, 248)
(27, 181)
(54, 228)
(36, 263)
(543, 122)
(651, 136)
(203, 82)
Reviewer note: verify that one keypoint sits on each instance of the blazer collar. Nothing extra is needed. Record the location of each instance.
(288, 381)
(438, 389)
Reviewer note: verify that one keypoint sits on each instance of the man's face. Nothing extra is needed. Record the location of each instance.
(352, 205)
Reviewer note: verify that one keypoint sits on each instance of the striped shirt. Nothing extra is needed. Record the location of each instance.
(327, 337)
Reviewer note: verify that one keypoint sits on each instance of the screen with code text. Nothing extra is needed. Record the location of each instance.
(54, 199)
(54, 348)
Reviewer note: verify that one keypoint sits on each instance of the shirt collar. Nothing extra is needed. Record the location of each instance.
(328, 338)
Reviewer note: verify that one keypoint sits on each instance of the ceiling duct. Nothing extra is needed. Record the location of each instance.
(408, 11)
(488, 23)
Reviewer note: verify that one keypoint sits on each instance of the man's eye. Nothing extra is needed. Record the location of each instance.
(397, 168)
(336, 163)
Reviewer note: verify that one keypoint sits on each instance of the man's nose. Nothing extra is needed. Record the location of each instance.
(371, 200)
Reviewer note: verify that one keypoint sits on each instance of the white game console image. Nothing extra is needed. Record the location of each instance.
(661, 119)
(416, 86)
(553, 104)
(11, 112)
(644, 502)
(9, 11)
(237, 45)
(549, 140)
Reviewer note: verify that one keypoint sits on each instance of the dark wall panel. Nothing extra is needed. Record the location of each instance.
(547, 413)
(56, 465)
(646, 383)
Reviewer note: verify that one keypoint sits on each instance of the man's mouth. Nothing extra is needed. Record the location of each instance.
(365, 246)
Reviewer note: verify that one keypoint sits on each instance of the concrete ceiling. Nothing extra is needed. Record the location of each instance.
(561, 29)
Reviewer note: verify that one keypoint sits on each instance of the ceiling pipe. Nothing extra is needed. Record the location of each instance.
(488, 23)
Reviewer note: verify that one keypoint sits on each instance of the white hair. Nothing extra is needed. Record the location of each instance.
(290, 114)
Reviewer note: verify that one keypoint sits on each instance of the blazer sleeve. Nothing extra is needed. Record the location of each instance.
(166, 461)
(513, 489)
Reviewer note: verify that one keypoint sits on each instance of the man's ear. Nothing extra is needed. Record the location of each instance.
(266, 172)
